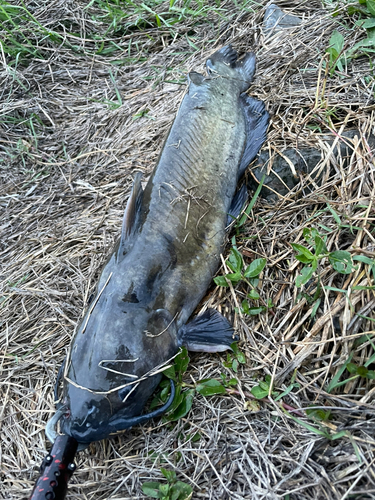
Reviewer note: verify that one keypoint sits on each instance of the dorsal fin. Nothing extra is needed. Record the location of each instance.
(130, 214)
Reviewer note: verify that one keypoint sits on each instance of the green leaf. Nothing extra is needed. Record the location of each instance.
(181, 361)
(320, 246)
(315, 308)
(255, 268)
(305, 276)
(220, 281)
(351, 367)
(367, 23)
(362, 371)
(310, 235)
(169, 474)
(337, 41)
(311, 428)
(210, 387)
(164, 489)
(259, 393)
(185, 403)
(253, 295)
(318, 414)
(302, 251)
(234, 277)
(171, 373)
(370, 374)
(235, 262)
(254, 311)
(341, 262)
(303, 259)
(370, 4)
(241, 358)
(245, 306)
(181, 491)
(235, 365)
(251, 204)
(336, 378)
(339, 435)
(151, 489)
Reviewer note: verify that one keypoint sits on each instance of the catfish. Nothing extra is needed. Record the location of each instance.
(172, 236)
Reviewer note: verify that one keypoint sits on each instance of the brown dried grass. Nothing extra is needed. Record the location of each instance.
(62, 197)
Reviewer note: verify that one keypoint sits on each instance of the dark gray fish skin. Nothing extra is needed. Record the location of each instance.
(170, 248)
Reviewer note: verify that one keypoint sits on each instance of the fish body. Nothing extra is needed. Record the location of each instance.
(172, 236)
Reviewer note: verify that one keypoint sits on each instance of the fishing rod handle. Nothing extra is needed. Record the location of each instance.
(56, 470)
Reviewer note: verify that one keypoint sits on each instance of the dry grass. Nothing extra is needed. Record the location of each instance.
(68, 154)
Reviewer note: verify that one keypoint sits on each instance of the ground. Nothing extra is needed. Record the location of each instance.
(88, 92)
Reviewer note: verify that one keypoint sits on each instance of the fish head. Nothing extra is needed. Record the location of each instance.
(225, 63)
(110, 371)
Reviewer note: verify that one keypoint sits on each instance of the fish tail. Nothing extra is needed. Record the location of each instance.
(225, 62)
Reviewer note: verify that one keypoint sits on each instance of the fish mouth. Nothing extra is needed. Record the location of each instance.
(116, 424)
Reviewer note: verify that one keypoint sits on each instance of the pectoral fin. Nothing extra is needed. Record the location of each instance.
(130, 215)
(209, 332)
(238, 202)
(256, 119)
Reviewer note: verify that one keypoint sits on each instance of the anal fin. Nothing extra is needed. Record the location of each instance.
(256, 119)
(208, 332)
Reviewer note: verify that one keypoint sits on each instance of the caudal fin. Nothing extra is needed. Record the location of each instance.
(225, 63)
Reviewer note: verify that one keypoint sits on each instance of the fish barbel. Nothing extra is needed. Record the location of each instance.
(172, 236)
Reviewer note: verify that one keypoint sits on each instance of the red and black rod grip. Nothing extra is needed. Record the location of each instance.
(56, 470)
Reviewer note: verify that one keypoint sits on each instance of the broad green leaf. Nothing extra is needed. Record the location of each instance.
(318, 413)
(254, 311)
(184, 407)
(310, 235)
(235, 262)
(370, 374)
(181, 361)
(362, 371)
(245, 306)
(258, 392)
(253, 295)
(234, 277)
(341, 262)
(170, 373)
(151, 489)
(370, 4)
(210, 387)
(304, 277)
(220, 281)
(302, 251)
(181, 491)
(235, 365)
(164, 489)
(367, 23)
(241, 357)
(320, 246)
(351, 367)
(169, 474)
(255, 268)
(303, 259)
